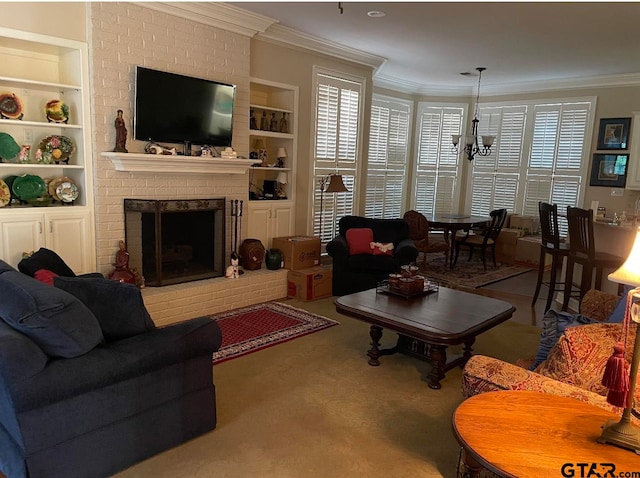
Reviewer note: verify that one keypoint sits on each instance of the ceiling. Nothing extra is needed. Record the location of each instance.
(423, 47)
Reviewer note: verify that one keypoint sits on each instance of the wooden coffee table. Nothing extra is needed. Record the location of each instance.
(426, 325)
(522, 433)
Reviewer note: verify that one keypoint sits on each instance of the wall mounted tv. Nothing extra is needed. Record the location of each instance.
(181, 109)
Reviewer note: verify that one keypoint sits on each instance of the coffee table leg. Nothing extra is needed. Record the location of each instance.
(467, 350)
(375, 333)
(438, 359)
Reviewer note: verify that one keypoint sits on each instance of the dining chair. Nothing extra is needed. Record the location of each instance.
(485, 240)
(424, 239)
(582, 250)
(550, 243)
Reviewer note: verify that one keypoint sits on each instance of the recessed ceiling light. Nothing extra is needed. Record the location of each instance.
(376, 14)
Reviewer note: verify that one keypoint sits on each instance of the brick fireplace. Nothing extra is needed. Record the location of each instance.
(123, 35)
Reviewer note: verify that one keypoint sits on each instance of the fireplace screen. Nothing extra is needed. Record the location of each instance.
(174, 241)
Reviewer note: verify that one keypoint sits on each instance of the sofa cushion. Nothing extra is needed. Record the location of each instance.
(359, 240)
(118, 306)
(57, 322)
(369, 263)
(581, 354)
(20, 357)
(4, 267)
(44, 259)
(553, 325)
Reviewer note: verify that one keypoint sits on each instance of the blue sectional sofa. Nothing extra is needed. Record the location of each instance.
(88, 384)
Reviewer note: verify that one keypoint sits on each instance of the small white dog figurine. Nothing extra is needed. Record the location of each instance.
(232, 270)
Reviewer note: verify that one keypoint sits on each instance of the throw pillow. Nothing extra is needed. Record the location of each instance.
(118, 306)
(45, 276)
(382, 249)
(44, 259)
(56, 321)
(553, 325)
(359, 240)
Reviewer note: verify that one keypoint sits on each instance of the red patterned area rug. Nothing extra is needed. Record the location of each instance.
(259, 326)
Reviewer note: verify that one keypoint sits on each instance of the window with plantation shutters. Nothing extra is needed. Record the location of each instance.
(435, 188)
(540, 154)
(338, 109)
(388, 155)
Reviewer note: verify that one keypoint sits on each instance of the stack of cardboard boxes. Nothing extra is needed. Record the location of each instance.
(306, 279)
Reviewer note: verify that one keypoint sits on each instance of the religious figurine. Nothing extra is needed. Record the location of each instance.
(122, 273)
(284, 124)
(253, 123)
(121, 134)
(233, 271)
(24, 156)
(273, 124)
(264, 124)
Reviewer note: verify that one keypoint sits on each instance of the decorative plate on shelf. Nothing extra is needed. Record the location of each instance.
(5, 194)
(56, 148)
(9, 182)
(28, 186)
(57, 111)
(10, 106)
(53, 184)
(67, 191)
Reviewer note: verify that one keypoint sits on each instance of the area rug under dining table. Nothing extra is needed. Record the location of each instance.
(469, 274)
(249, 329)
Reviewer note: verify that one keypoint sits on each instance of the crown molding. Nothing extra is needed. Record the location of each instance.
(281, 35)
(219, 15)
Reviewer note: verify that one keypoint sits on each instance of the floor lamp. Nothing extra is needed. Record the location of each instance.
(336, 185)
(623, 433)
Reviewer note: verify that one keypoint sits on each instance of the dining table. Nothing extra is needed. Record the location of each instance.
(452, 223)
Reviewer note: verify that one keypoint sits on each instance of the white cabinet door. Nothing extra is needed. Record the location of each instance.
(282, 220)
(70, 236)
(259, 223)
(23, 234)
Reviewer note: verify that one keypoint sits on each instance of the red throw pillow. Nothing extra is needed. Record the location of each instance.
(359, 240)
(382, 248)
(45, 275)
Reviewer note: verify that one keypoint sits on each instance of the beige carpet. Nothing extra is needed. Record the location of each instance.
(313, 407)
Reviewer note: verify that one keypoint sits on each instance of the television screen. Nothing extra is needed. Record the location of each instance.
(181, 109)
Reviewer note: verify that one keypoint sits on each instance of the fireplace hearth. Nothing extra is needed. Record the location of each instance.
(174, 241)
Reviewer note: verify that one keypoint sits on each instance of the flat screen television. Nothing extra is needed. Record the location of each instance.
(175, 108)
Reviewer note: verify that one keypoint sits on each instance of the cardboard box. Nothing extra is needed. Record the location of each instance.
(298, 252)
(506, 245)
(529, 224)
(528, 253)
(309, 284)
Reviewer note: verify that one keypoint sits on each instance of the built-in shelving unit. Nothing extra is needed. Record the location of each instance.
(39, 68)
(270, 213)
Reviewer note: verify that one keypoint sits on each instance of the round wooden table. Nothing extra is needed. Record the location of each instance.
(532, 434)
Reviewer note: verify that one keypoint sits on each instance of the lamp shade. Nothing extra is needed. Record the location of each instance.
(282, 153)
(259, 144)
(629, 272)
(282, 178)
(336, 185)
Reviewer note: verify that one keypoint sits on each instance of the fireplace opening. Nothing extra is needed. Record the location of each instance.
(174, 241)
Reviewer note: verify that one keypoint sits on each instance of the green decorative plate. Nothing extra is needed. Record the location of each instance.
(28, 186)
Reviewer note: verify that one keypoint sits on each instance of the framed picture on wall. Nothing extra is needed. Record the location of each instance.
(609, 170)
(614, 133)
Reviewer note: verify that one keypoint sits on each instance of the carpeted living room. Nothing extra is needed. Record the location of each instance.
(228, 369)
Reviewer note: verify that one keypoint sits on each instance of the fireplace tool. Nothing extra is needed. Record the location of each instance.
(236, 213)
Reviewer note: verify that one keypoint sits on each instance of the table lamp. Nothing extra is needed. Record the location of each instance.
(281, 155)
(617, 378)
(281, 180)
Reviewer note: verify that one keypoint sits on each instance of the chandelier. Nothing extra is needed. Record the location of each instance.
(471, 146)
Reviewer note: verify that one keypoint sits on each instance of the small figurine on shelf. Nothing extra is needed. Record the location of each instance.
(40, 158)
(264, 123)
(121, 134)
(24, 156)
(273, 124)
(284, 124)
(233, 270)
(253, 122)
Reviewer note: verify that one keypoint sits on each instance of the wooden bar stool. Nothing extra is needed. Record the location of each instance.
(582, 250)
(550, 244)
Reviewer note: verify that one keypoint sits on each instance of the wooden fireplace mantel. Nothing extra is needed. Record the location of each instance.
(158, 163)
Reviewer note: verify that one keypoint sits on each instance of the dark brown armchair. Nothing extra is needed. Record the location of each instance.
(419, 233)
